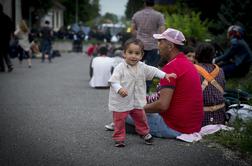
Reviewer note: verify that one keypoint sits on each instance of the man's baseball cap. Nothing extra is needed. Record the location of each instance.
(172, 35)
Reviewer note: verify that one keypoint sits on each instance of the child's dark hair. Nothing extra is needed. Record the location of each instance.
(204, 53)
(133, 41)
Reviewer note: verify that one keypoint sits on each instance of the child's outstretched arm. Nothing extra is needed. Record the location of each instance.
(171, 75)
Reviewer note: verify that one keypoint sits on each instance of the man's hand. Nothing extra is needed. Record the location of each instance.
(123, 92)
(172, 75)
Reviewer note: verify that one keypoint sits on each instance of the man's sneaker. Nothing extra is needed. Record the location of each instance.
(119, 144)
(110, 126)
(148, 139)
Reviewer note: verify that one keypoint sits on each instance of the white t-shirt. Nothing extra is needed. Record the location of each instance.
(102, 67)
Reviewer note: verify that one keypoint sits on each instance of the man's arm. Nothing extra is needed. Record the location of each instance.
(133, 29)
(162, 29)
(162, 104)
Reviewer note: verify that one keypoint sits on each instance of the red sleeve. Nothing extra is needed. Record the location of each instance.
(169, 68)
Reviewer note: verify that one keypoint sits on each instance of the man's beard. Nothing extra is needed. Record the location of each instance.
(163, 61)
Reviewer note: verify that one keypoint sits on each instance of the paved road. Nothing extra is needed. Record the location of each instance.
(49, 116)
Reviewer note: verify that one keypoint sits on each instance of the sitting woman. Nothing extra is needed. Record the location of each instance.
(213, 83)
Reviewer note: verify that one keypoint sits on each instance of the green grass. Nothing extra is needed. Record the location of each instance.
(239, 139)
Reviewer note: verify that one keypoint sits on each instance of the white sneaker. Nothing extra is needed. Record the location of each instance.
(110, 126)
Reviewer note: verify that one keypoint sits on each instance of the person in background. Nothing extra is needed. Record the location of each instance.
(35, 49)
(118, 57)
(101, 69)
(128, 92)
(144, 24)
(190, 53)
(6, 32)
(22, 34)
(91, 49)
(212, 83)
(237, 60)
(46, 44)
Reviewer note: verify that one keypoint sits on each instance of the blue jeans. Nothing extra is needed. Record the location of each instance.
(158, 127)
(46, 48)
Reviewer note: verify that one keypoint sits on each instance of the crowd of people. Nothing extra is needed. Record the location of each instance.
(20, 43)
(190, 93)
(182, 104)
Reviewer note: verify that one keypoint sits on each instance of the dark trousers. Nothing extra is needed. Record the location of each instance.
(152, 58)
(4, 58)
(231, 70)
(46, 49)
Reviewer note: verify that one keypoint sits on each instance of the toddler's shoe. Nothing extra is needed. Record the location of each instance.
(148, 139)
(110, 126)
(119, 144)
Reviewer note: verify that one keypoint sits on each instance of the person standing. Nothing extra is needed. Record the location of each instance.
(6, 32)
(46, 45)
(145, 23)
(22, 34)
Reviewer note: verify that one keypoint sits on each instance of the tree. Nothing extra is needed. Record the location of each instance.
(236, 12)
(207, 8)
(110, 18)
(87, 10)
(37, 8)
(133, 6)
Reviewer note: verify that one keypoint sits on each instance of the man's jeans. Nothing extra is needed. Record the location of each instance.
(158, 127)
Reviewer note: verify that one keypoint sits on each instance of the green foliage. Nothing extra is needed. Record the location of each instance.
(110, 17)
(239, 139)
(37, 8)
(87, 10)
(189, 24)
(166, 8)
(236, 12)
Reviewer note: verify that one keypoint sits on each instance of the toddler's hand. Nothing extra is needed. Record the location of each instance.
(123, 92)
(172, 75)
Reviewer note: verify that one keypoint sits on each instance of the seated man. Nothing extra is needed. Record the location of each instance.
(179, 109)
(101, 69)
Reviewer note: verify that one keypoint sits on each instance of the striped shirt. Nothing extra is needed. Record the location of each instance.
(147, 22)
